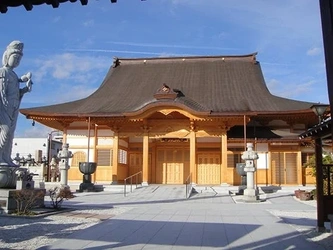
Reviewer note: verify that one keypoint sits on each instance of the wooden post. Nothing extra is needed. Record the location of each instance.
(95, 151)
(115, 156)
(224, 157)
(319, 186)
(326, 11)
(145, 155)
(88, 150)
(64, 135)
(193, 169)
(299, 168)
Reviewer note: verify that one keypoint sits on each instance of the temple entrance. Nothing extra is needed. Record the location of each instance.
(135, 166)
(209, 168)
(284, 168)
(171, 165)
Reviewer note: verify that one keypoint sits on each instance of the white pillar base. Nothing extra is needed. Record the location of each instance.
(64, 177)
(144, 184)
(251, 195)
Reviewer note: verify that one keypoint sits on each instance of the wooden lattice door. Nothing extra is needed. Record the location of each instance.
(170, 166)
(209, 168)
(284, 168)
(135, 165)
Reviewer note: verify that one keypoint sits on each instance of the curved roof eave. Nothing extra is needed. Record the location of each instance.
(57, 115)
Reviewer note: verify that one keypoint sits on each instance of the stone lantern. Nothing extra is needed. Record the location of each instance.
(250, 193)
(64, 155)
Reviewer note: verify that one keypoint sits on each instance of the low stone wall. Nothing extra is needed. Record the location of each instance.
(8, 203)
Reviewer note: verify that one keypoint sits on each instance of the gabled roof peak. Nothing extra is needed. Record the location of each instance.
(247, 57)
(165, 92)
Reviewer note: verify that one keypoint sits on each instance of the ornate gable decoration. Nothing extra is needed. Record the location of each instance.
(165, 92)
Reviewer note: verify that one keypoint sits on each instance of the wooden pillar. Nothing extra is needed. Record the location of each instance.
(95, 150)
(299, 168)
(152, 169)
(115, 156)
(319, 186)
(193, 166)
(145, 156)
(64, 135)
(224, 157)
(326, 12)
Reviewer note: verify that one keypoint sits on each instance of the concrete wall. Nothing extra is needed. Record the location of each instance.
(26, 146)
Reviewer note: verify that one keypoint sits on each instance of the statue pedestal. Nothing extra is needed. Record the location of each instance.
(250, 193)
(8, 176)
(8, 204)
(25, 185)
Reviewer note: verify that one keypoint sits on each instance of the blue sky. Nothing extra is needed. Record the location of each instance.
(70, 49)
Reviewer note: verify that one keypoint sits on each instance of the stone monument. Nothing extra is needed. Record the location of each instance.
(11, 95)
(55, 175)
(250, 193)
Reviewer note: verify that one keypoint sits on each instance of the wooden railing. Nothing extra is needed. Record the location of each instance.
(328, 179)
(131, 181)
(188, 186)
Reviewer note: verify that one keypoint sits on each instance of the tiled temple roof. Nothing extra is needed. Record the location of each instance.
(215, 85)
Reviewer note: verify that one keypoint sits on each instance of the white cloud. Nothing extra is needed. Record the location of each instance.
(71, 67)
(76, 92)
(56, 19)
(37, 131)
(282, 23)
(314, 51)
(115, 51)
(290, 90)
(89, 23)
(273, 85)
(66, 77)
(177, 46)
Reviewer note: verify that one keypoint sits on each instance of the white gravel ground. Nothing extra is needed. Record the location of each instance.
(291, 217)
(33, 233)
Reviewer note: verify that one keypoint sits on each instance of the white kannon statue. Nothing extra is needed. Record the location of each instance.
(11, 95)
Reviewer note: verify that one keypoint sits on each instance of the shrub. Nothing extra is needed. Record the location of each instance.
(58, 195)
(327, 159)
(313, 194)
(26, 199)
